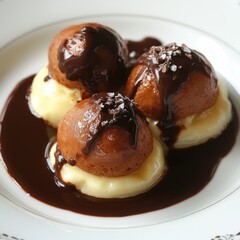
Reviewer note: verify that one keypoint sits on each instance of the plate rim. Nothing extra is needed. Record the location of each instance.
(131, 16)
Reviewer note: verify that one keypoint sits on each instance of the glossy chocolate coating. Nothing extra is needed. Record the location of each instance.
(177, 81)
(105, 135)
(93, 54)
(189, 170)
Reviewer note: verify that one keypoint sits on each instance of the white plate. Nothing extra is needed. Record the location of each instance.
(28, 54)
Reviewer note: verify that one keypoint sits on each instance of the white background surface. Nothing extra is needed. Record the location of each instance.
(219, 18)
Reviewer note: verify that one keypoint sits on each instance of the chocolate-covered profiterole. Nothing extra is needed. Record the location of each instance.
(90, 56)
(176, 81)
(104, 135)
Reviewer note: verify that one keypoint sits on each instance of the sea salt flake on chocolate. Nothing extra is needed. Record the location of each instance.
(163, 56)
(164, 68)
(103, 123)
(111, 94)
(168, 58)
(122, 105)
(118, 99)
(173, 68)
(186, 49)
(101, 105)
(75, 46)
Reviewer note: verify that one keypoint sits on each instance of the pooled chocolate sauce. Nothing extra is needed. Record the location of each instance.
(96, 56)
(137, 48)
(171, 66)
(23, 140)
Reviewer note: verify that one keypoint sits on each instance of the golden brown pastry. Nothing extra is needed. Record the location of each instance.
(90, 57)
(104, 135)
(172, 82)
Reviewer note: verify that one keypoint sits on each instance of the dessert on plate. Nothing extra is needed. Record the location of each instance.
(83, 59)
(186, 104)
(106, 149)
(134, 123)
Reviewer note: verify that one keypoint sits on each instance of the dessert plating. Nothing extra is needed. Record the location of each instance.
(85, 59)
(181, 86)
(90, 57)
(105, 147)
(105, 135)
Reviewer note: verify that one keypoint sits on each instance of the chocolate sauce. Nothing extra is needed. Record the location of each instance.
(48, 77)
(115, 110)
(23, 140)
(60, 161)
(137, 48)
(171, 66)
(96, 56)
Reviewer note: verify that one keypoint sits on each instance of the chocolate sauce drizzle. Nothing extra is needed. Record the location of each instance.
(137, 48)
(96, 56)
(23, 140)
(171, 66)
(48, 77)
(115, 110)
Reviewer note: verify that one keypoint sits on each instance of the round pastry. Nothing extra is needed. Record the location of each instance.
(183, 95)
(105, 135)
(170, 77)
(90, 56)
(105, 148)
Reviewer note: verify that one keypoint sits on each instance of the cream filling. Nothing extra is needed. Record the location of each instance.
(116, 187)
(50, 100)
(199, 128)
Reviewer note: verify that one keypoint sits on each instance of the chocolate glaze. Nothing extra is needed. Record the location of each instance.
(137, 48)
(95, 56)
(115, 110)
(23, 140)
(48, 77)
(60, 161)
(171, 65)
